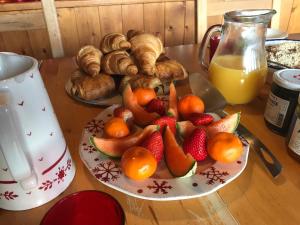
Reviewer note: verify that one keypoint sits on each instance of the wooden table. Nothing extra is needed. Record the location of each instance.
(253, 198)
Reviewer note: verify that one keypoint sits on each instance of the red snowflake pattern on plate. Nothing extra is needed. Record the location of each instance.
(95, 126)
(107, 171)
(8, 195)
(88, 148)
(60, 175)
(160, 187)
(214, 175)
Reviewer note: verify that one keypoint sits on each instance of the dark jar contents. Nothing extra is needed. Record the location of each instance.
(293, 137)
(282, 101)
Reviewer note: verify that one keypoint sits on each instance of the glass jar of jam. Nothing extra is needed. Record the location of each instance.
(293, 137)
(282, 100)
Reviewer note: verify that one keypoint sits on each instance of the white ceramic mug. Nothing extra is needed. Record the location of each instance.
(35, 163)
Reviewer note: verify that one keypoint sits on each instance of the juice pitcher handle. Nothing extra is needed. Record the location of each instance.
(204, 44)
(12, 144)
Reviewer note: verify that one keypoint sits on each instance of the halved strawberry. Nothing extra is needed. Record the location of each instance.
(201, 119)
(156, 105)
(196, 144)
(154, 143)
(166, 121)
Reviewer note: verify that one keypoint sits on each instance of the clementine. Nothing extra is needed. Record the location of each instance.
(144, 95)
(138, 163)
(224, 147)
(116, 127)
(190, 104)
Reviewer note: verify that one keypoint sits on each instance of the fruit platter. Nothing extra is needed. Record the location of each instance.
(163, 148)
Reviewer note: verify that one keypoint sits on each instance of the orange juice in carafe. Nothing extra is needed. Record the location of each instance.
(237, 84)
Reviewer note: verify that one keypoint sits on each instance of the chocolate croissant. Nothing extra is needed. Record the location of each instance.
(90, 88)
(170, 70)
(119, 62)
(114, 41)
(88, 59)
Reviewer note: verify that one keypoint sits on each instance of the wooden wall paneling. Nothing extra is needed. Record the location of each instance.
(201, 19)
(88, 26)
(294, 25)
(110, 19)
(133, 17)
(174, 23)
(154, 19)
(189, 23)
(212, 20)
(68, 29)
(286, 7)
(18, 42)
(2, 46)
(40, 43)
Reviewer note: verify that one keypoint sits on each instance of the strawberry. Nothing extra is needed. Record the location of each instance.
(201, 119)
(125, 114)
(154, 143)
(196, 144)
(166, 121)
(156, 105)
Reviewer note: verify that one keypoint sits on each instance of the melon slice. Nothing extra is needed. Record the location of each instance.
(227, 124)
(185, 128)
(140, 115)
(172, 109)
(178, 163)
(115, 147)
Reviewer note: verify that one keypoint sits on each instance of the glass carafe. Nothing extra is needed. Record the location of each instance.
(238, 68)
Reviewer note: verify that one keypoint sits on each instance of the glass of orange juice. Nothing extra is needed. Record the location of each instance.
(238, 68)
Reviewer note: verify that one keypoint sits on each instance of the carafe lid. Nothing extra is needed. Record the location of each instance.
(250, 16)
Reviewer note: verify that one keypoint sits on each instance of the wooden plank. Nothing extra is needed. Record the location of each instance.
(219, 7)
(28, 20)
(132, 17)
(189, 26)
(154, 19)
(40, 43)
(201, 19)
(174, 23)
(50, 16)
(88, 26)
(2, 46)
(294, 26)
(110, 19)
(68, 29)
(18, 42)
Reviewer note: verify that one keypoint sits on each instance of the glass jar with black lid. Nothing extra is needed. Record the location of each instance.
(282, 100)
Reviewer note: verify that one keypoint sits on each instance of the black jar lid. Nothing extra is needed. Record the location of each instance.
(288, 79)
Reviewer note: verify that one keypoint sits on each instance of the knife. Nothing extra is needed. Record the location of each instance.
(215, 102)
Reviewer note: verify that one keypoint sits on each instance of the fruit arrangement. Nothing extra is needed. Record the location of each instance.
(137, 58)
(147, 131)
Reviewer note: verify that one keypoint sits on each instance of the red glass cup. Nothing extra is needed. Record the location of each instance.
(86, 207)
(213, 42)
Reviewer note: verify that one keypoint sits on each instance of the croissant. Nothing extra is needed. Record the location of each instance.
(88, 59)
(132, 33)
(140, 81)
(114, 41)
(170, 70)
(119, 62)
(146, 48)
(90, 88)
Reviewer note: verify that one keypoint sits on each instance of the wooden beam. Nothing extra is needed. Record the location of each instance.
(53, 28)
(201, 19)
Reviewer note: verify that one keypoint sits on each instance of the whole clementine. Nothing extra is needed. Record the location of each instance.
(116, 127)
(144, 95)
(224, 147)
(190, 104)
(138, 163)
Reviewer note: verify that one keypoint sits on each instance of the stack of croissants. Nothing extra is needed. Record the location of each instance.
(137, 58)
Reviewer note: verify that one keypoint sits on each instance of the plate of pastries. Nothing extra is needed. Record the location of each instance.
(136, 58)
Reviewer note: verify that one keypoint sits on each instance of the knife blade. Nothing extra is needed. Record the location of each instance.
(215, 102)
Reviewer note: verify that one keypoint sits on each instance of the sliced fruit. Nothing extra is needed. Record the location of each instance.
(138, 163)
(141, 116)
(125, 114)
(172, 109)
(226, 124)
(166, 121)
(156, 105)
(154, 143)
(115, 147)
(178, 163)
(185, 128)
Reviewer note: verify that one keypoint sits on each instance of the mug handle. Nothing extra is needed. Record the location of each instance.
(12, 144)
(204, 43)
